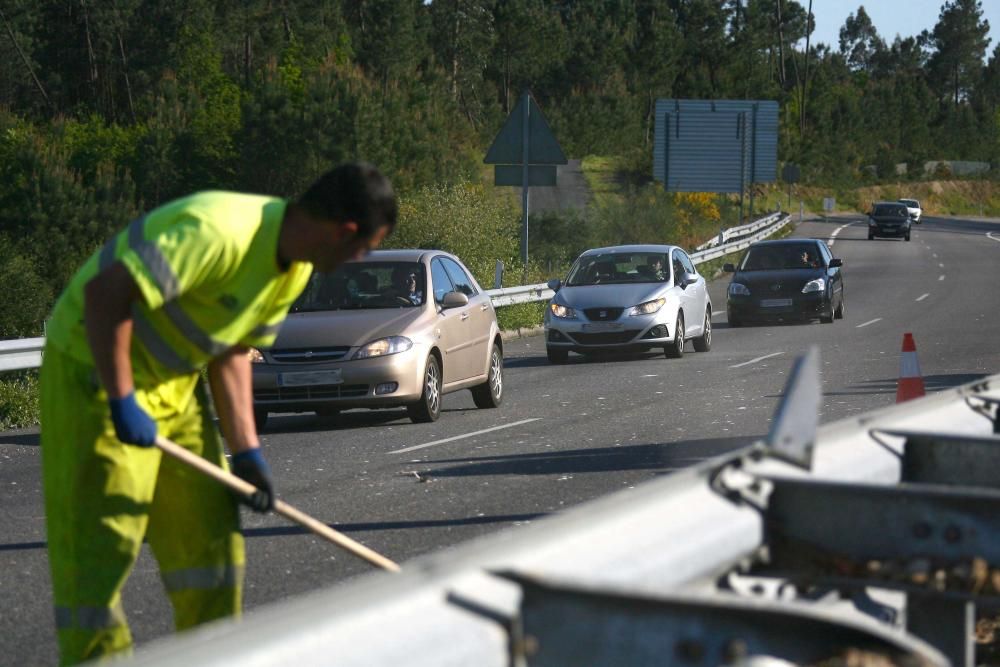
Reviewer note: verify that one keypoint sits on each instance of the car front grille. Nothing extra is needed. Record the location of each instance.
(610, 338)
(309, 355)
(602, 314)
(317, 392)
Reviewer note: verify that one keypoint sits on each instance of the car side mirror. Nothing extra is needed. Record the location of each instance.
(729, 267)
(454, 300)
(835, 262)
(687, 279)
(554, 284)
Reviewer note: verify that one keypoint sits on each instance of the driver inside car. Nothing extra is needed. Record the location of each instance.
(405, 285)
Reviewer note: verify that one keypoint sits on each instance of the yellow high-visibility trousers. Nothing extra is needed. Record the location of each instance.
(102, 498)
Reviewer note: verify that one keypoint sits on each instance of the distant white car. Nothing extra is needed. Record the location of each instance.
(913, 207)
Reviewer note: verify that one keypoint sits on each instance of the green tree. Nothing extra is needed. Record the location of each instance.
(959, 40)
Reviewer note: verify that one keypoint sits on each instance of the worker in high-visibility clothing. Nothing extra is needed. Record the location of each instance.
(194, 283)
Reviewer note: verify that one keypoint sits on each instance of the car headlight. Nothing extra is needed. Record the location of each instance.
(383, 347)
(562, 312)
(255, 356)
(817, 285)
(647, 308)
(871, 222)
(738, 289)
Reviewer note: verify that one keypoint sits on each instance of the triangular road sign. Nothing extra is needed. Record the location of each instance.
(508, 147)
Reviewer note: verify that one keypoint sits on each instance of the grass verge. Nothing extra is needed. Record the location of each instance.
(18, 400)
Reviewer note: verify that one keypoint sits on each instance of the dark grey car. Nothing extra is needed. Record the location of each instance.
(889, 219)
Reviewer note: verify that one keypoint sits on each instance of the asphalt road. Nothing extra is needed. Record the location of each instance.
(565, 434)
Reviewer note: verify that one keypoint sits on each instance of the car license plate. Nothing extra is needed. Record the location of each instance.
(603, 326)
(775, 303)
(306, 378)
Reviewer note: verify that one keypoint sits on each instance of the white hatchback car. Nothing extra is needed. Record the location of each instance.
(628, 298)
(913, 208)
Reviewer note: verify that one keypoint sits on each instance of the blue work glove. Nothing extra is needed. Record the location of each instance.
(133, 425)
(250, 466)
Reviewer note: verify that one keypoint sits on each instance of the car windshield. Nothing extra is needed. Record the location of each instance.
(619, 268)
(890, 210)
(784, 256)
(364, 285)
(912, 203)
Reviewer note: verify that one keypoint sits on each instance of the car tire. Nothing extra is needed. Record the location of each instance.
(490, 393)
(703, 343)
(556, 356)
(907, 237)
(260, 419)
(428, 408)
(841, 309)
(871, 236)
(676, 349)
(734, 322)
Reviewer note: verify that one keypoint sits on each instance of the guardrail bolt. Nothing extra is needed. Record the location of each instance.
(922, 530)
(689, 650)
(952, 534)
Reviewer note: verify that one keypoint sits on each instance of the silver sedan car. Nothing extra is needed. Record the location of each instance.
(628, 298)
(399, 328)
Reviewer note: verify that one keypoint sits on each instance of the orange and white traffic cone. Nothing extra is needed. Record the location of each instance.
(911, 382)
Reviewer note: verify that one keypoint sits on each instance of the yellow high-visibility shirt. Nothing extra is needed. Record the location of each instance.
(207, 268)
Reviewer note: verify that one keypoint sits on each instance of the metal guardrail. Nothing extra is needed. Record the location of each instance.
(21, 354)
(804, 546)
(744, 236)
(26, 353)
(741, 230)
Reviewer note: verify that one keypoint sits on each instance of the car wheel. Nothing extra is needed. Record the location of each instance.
(676, 349)
(841, 309)
(490, 393)
(907, 237)
(870, 236)
(260, 419)
(703, 343)
(556, 356)
(428, 408)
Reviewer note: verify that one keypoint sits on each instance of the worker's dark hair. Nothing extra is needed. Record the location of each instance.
(354, 191)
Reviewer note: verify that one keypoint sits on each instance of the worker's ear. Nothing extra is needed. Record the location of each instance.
(346, 230)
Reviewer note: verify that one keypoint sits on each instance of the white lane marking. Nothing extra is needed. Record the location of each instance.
(754, 361)
(934, 255)
(864, 324)
(940, 266)
(989, 235)
(941, 277)
(716, 313)
(922, 297)
(460, 437)
(834, 233)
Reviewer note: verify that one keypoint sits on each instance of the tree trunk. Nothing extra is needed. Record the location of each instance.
(805, 77)
(128, 86)
(27, 65)
(782, 78)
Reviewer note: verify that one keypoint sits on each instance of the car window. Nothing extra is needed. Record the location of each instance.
(686, 262)
(827, 255)
(890, 210)
(459, 278)
(439, 277)
(781, 256)
(364, 285)
(678, 266)
(619, 268)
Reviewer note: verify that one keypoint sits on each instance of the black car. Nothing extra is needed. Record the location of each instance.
(789, 279)
(889, 219)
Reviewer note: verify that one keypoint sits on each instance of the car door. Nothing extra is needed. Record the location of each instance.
(477, 318)
(693, 297)
(450, 330)
(833, 275)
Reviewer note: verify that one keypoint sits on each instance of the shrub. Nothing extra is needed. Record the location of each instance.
(19, 400)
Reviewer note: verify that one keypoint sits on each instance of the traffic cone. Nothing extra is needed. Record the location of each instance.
(911, 382)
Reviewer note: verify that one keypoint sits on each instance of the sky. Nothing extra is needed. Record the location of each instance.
(905, 18)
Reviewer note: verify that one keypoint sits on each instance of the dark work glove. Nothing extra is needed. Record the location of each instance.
(250, 466)
(133, 425)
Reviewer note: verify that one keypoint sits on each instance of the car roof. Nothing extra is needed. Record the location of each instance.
(402, 255)
(644, 247)
(886, 203)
